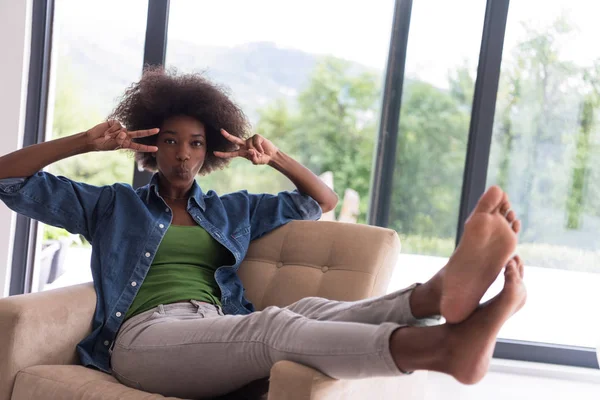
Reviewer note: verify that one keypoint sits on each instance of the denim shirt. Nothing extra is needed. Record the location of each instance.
(125, 227)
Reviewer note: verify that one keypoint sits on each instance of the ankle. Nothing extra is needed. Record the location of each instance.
(425, 299)
(419, 348)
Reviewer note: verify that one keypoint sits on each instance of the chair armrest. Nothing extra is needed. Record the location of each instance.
(292, 381)
(42, 328)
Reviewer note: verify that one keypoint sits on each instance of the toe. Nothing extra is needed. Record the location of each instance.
(510, 215)
(520, 266)
(510, 272)
(504, 206)
(516, 226)
(512, 264)
(491, 200)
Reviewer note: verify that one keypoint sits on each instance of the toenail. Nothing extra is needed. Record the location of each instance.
(506, 213)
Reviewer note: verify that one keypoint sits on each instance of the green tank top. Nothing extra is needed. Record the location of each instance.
(183, 269)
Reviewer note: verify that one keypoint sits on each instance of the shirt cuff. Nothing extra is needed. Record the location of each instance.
(308, 207)
(11, 185)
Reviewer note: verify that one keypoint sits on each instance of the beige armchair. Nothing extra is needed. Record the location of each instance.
(39, 332)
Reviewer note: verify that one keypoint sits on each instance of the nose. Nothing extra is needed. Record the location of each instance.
(182, 155)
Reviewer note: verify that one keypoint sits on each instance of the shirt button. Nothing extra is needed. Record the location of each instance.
(118, 314)
(147, 254)
(161, 226)
(167, 210)
(134, 284)
(106, 342)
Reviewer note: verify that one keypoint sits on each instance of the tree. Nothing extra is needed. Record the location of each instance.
(539, 56)
(334, 127)
(536, 109)
(583, 150)
(70, 117)
(430, 160)
(510, 94)
(275, 122)
(462, 85)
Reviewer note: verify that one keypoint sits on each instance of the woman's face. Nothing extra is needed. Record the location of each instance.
(181, 151)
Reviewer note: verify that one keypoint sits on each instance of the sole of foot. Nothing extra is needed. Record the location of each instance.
(488, 242)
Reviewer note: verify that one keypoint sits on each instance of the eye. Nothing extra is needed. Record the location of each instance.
(169, 141)
(197, 143)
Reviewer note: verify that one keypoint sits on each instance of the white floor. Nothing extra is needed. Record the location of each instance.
(562, 306)
(514, 386)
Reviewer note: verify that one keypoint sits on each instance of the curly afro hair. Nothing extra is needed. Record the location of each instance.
(161, 94)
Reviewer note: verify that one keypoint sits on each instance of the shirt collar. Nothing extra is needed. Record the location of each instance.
(196, 192)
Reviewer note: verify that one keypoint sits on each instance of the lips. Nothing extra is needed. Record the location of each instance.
(181, 171)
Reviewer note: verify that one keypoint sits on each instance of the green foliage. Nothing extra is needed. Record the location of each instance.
(53, 233)
(575, 201)
(70, 117)
(535, 254)
(333, 127)
(426, 245)
(560, 257)
(543, 144)
(542, 152)
(430, 162)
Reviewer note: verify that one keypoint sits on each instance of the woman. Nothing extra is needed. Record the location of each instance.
(171, 316)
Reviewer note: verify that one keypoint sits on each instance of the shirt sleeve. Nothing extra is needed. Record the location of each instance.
(270, 211)
(57, 201)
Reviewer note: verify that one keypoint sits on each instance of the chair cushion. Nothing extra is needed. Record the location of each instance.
(72, 382)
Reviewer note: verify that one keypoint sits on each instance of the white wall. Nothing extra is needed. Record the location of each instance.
(15, 29)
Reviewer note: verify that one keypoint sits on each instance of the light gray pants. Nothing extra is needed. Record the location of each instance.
(192, 350)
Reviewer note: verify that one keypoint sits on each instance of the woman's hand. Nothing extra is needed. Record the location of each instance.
(111, 135)
(255, 149)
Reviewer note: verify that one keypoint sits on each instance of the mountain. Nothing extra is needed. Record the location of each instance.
(255, 73)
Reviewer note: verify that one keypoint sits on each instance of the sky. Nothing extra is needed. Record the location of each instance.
(443, 33)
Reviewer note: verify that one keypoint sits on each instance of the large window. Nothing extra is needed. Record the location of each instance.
(545, 153)
(441, 65)
(310, 76)
(307, 73)
(97, 51)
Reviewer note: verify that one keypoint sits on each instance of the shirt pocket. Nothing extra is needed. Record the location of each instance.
(240, 235)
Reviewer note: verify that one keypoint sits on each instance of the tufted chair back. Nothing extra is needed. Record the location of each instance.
(333, 260)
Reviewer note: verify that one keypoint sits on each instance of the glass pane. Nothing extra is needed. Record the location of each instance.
(306, 76)
(97, 51)
(546, 155)
(441, 65)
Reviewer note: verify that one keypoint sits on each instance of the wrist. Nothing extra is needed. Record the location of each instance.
(277, 159)
(82, 143)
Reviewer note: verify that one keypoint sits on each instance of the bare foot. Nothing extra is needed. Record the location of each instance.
(471, 343)
(462, 350)
(489, 240)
